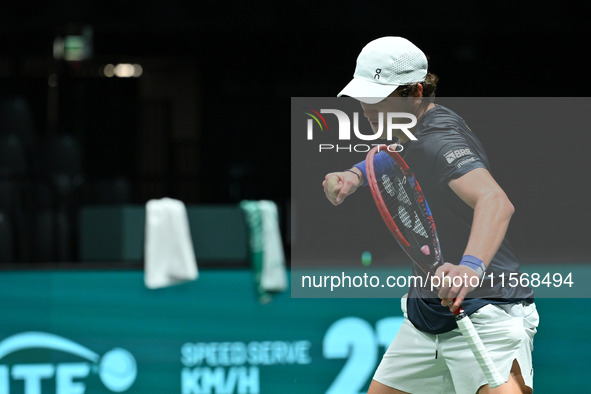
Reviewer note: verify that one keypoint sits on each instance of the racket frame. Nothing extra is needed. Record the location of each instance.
(385, 213)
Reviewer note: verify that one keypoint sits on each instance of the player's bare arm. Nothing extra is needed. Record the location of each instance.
(492, 214)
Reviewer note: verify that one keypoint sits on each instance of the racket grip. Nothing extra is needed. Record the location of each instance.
(469, 332)
(457, 311)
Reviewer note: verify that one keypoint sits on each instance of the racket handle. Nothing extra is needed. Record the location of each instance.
(457, 311)
(468, 331)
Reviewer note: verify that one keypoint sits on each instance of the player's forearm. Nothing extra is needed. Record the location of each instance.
(492, 215)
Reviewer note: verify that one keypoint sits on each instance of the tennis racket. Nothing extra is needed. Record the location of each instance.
(404, 209)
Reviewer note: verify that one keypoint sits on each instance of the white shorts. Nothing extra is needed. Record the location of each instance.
(417, 362)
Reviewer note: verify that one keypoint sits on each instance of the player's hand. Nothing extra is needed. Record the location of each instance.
(338, 185)
(456, 282)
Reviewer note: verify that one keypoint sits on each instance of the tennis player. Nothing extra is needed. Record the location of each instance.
(472, 213)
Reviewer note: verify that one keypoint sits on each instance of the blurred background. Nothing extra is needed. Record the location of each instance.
(121, 102)
(105, 105)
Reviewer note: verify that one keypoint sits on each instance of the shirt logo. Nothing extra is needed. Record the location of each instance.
(453, 155)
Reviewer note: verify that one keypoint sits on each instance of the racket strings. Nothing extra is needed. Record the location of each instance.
(401, 200)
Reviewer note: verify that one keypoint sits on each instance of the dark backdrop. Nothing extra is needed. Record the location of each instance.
(244, 60)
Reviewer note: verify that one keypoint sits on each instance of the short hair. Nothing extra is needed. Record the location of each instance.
(429, 86)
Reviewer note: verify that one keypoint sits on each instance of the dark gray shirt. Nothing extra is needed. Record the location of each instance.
(446, 149)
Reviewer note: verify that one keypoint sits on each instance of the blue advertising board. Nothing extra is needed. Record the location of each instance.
(104, 332)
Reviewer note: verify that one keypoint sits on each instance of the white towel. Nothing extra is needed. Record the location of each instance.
(273, 275)
(169, 257)
(266, 248)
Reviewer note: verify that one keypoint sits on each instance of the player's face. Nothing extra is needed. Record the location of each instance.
(392, 103)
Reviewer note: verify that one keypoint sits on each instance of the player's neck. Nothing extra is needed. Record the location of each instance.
(423, 110)
(403, 138)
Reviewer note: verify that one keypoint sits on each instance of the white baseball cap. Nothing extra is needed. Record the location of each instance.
(382, 66)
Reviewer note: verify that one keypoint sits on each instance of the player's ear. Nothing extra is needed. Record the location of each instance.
(417, 91)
